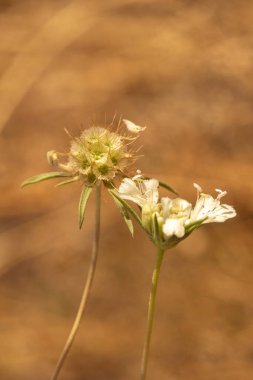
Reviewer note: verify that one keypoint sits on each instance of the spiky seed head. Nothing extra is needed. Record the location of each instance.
(97, 154)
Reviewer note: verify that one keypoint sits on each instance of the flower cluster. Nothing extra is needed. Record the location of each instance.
(167, 220)
(98, 154)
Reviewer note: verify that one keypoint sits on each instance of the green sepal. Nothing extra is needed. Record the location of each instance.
(82, 203)
(74, 179)
(193, 226)
(155, 229)
(43, 177)
(124, 212)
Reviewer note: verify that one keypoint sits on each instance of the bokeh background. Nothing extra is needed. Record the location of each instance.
(184, 69)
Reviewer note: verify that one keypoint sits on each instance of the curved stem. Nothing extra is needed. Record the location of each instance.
(86, 290)
(151, 312)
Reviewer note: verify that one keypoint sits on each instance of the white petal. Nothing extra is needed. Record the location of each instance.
(179, 205)
(173, 226)
(128, 187)
(210, 210)
(221, 214)
(133, 127)
(129, 190)
(151, 190)
(165, 201)
(151, 184)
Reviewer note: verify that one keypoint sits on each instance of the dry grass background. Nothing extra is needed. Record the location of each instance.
(184, 69)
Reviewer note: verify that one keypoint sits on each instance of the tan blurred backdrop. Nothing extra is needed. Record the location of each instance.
(184, 69)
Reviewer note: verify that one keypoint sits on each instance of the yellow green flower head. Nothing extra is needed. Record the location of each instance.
(97, 154)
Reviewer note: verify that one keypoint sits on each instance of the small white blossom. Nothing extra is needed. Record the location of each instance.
(175, 212)
(175, 218)
(209, 209)
(176, 207)
(140, 191)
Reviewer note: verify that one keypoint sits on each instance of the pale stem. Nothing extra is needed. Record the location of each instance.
(87, 287)
(151, 312)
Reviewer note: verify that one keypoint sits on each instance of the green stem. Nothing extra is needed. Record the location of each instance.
(151, 312)
(87, 287)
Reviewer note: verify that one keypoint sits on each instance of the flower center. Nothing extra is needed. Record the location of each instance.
(103, 169)
(85, 164)
(91, 177)
(114, 160)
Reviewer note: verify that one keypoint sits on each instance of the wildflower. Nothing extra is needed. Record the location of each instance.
(168, 221)
(140, 191)
(209, 209)
(99, 154)
(175, 213)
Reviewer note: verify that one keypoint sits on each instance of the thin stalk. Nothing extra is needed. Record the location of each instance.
(87, 287)
(151, 313)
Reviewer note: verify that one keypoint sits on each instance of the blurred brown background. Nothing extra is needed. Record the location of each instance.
(184, 69)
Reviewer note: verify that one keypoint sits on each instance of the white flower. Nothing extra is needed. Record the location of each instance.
(167, 221)
(133, 127)
(175, 212)
(140, 191)
(209, 209)
(176, 207)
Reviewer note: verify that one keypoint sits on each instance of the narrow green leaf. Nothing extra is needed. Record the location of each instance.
(129, 209)
(82, 203)
(43, 177)
(129, 224)
(125, 213)
(167, 187)
(74, 179)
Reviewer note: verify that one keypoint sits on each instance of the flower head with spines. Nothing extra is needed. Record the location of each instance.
(99, 154)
